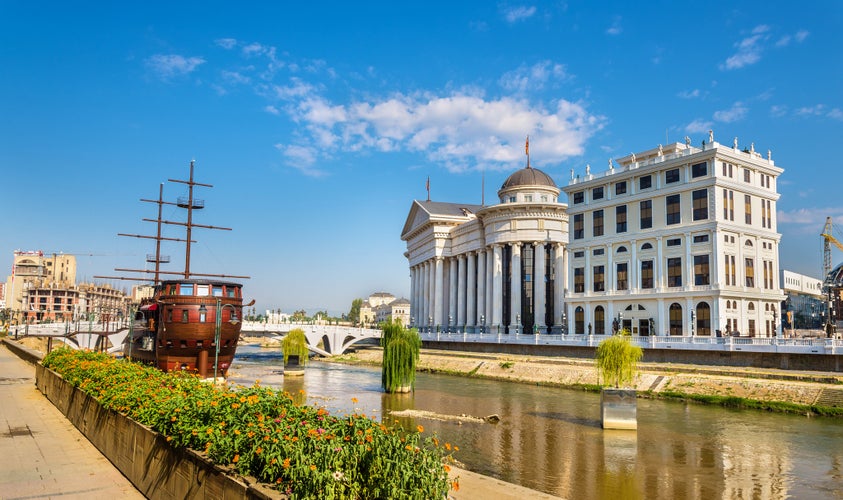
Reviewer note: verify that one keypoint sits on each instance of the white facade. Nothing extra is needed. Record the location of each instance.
(676, 241)
(498, 269)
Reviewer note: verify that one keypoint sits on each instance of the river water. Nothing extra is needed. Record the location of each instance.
(550, 439)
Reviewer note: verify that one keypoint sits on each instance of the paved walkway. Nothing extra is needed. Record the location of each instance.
(42, 455)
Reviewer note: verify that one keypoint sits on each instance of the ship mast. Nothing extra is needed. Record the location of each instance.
(190, 203)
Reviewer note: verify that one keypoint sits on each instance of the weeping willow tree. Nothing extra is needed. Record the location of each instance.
(617, 359)
(295, 344)
(400, 354)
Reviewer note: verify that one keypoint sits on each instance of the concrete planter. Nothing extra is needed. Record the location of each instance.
(292, 368)
(618, 409)
(156, 469)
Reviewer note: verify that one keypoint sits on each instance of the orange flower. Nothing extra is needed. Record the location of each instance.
(420, 428)
(446, 467)
(448, 446)
(286, 463)
(353, 400)
(235, 459)
(312, 467)
(456, 448)
(455, 485)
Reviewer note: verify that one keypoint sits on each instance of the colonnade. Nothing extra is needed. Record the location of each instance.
(500, 288)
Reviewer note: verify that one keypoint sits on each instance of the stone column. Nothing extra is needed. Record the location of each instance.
(425, 290)
(497, 288)
(471, 291)
(481, 286)
(688, 279)
(451, 317)
(439, 296)
(461, 293)
(515, 297)
(413, 289)
(490, 278)
(539, 295)
(659, 269)
(560, 285)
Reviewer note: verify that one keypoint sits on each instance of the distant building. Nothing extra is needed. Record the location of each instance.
(804, 306)
(43, 288)
(382, 306)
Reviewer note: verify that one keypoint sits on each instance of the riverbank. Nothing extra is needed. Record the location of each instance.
(799, 392)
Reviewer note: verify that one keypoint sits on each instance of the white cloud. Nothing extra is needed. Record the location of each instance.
(234, 77)
(615, 28)
(801, 35)
(226, 43)
(809, 221)
(836, 114)
(169, 66)
(515, 14)
(798, 37)
(459, 130)
(689, 94)
(778, 110)
(736, 112)
(749, 49)
(302, 158)
(272, 110)
(698, 126)
(533, 77)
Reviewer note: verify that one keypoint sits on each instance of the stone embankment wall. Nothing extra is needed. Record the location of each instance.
(761, 385)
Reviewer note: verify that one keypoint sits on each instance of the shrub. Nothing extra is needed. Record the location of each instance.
(617, 359)
(295, 344)
(303, 451)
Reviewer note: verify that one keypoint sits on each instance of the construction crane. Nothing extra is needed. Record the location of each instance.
(828, 239)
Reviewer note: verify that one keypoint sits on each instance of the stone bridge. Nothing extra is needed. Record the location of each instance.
(334, 339)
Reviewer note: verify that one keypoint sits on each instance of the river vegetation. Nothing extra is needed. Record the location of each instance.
(303, 451)
(401, 347)
(295, 344)
(617, 359)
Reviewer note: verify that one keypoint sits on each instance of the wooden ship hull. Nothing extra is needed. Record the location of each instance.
(189, 325)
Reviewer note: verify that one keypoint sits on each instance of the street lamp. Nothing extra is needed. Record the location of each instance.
(482, 324)
(218, 329)
(430, 324)
(450, 322)
(564, 323)
(693, 321)
(517, 324)
(775, 316)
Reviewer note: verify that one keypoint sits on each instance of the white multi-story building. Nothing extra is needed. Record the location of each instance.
(676, 240)
(498, 268)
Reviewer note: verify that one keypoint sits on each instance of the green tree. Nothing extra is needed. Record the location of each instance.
(354, 313)
(617, 359)
(295, 344)
(401, 348)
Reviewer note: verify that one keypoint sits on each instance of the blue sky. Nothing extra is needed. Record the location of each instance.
(318, 123)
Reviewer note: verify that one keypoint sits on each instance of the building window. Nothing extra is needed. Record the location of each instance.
(597, 219)
(579, 254)
(703, 319)
(728, 205)
(622, 276)
(747, 206)
(675, 315)
(701, 273)
(579, 279)
(620, 187)
(671, 176)
(184, 317)
(599, 272)
(674, 272)
(620, 219)
(579, 320)
(598, 251)
(579, 231)
(512, 199)
(751, 327)
(646, 246)
(528, 197)
(621, 249)
(646, 274)
(700, 202)
(599, 321)
(645, 182)
(597, 193)
(749, 264)
(672, 210)
(674, 242)
(727, 170)
(747, 175)
(579, 197)
(699, 169)
(730, 270)
(646, 214)
(701, 238)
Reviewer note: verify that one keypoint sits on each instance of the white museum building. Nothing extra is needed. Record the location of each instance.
(492, 269)
(676, 240)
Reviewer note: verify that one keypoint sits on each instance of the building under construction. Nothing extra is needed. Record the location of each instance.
(833, 280)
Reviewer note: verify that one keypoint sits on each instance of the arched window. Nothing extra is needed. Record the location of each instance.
(579, 321)
(621, 249)
(646, 246)
(748, 243)
(750, 306)
(675, 319)
(599, 321)
(703, 325)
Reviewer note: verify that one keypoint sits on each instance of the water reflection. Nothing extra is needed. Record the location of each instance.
(550, 439)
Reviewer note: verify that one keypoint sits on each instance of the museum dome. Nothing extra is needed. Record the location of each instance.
(528, 176)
